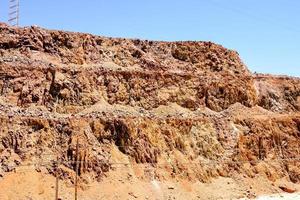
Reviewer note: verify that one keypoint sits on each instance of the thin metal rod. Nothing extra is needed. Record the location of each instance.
(13, 12)
(12, 19)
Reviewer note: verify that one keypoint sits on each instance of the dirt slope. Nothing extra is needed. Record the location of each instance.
(143, 112)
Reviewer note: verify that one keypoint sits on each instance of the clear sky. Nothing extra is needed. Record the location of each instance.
(266, 33)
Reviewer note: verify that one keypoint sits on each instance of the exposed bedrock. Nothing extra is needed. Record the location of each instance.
(77, 102)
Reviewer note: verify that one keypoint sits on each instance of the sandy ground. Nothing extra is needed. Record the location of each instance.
(27, 184)
(280, 197)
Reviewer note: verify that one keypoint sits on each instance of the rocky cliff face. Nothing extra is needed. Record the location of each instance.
(185, 109)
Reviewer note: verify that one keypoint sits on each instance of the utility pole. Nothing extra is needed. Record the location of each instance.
(14, 12)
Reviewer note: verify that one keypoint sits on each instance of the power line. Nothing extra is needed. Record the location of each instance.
(161, 164)
(253, 16)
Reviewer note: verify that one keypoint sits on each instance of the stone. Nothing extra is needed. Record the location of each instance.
(287, 188)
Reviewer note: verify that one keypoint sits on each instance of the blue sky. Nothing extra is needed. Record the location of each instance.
(266, 33)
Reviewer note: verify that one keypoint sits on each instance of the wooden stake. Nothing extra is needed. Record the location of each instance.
(77, 166)
(56, 183)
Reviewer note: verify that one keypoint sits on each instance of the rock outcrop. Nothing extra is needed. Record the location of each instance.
(188, 109)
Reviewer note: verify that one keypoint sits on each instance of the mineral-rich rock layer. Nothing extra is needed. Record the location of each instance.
(187, 109)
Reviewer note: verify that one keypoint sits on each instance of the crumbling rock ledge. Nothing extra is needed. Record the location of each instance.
(188, 110)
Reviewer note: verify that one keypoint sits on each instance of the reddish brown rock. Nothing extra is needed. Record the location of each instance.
(186, 109)
(287, 189)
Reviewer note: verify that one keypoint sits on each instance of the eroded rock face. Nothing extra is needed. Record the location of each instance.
(279, 94)
(187, 109)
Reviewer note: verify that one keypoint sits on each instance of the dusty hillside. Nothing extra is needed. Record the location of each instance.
(141, 111)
